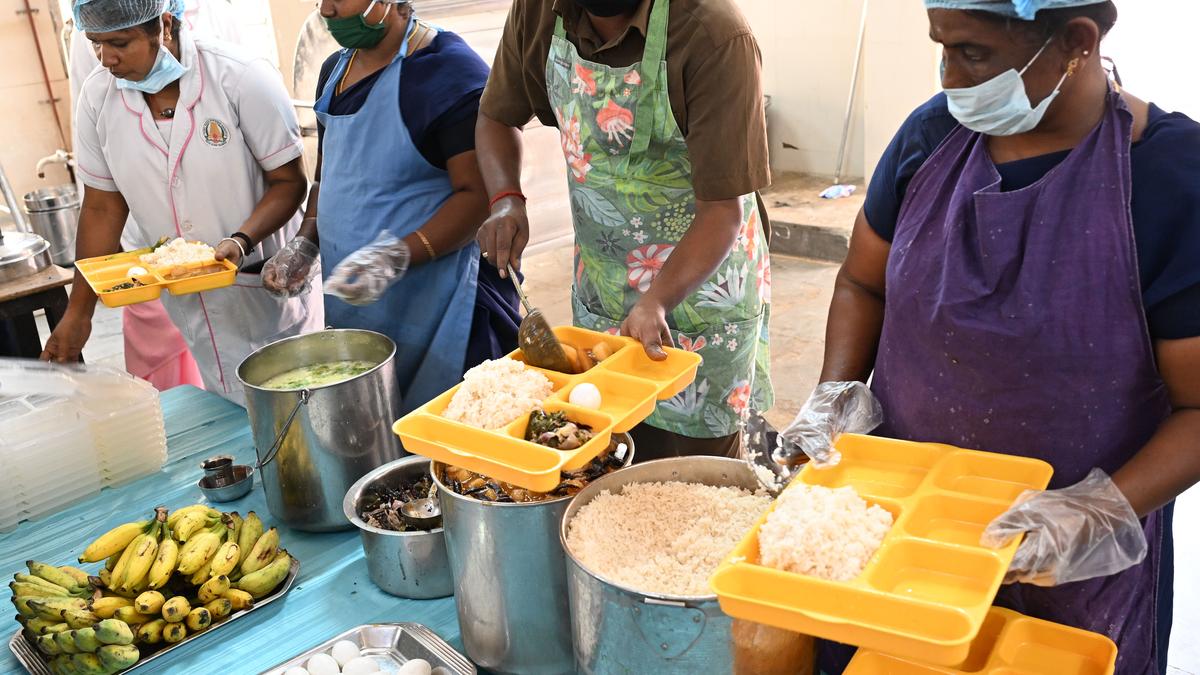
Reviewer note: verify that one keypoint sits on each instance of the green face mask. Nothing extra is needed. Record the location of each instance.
(353, 32)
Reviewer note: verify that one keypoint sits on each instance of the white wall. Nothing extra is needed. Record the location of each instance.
(1154, 46)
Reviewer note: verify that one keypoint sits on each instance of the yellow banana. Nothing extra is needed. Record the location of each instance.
(80, 577)
(199, 549)
(118, 573)
(106, 607)
(213, 589)
(105, 578)
(251, 530)
(178, 514)
(113, 541)
(263, 552)
(219, 608)
(164, 563)
(234, 524)
(131, 616)
(145, 548)
(227, 558)
(192, 523)
(263, 581)
(176, 609)
(198, 619)
(150, 602)
(110, 563)
(79, 618)
(239, 599)
(204, 573)
(174, 632)
(150, 633)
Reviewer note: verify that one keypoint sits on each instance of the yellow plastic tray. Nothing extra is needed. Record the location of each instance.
(629, 383)
(102, 273)
(1009, 644)
(926, 591)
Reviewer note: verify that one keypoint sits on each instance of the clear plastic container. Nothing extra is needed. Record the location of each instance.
(69, 431)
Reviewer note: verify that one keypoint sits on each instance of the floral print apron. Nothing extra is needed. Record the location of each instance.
(632, 201)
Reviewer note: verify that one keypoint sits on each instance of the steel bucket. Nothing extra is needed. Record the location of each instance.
(313, 444)
(510, 582)
(405, 564)
(617, 629)
(54, 215)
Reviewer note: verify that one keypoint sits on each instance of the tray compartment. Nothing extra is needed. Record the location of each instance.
(945, 575)
(671, 375)
(628, 400)
(951, 519)
(203, 282)
(600, 423)
(1039, 646)
(877, 467)
(990, 476)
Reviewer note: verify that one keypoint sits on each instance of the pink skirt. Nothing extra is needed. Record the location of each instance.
(154, 348)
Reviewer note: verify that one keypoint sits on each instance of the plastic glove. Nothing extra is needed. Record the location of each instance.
(287, 273)
(364, 275)
(1079, 532)
(834, 408)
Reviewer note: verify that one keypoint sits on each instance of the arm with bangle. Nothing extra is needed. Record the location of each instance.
(285, 190)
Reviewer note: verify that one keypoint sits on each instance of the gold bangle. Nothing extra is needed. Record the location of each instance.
(428, 246)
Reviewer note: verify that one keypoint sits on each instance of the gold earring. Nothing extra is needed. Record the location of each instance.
(1072, 66)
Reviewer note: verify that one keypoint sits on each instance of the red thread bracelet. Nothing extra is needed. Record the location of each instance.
(507, 193)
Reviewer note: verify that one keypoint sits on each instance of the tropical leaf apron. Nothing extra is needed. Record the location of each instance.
(632, 201)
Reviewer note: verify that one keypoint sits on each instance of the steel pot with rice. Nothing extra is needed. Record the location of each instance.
(640, 545)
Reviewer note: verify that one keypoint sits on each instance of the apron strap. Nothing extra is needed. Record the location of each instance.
(559, 30)
(651, 68)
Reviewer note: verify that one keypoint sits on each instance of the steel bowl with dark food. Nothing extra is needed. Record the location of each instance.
(402, 559)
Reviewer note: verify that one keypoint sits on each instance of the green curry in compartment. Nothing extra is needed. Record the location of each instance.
(318, 375)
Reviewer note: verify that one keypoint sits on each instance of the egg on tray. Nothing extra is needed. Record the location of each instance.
(415, 667)
(323, 664)
(344, 651)
(586, 395)
(360, 665)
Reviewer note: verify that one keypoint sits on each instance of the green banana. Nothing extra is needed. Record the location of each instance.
(47, 645)
(262, 553)
(51, 608)
(113, 541)
(80, 577)
(56, 576)
(110, 563)
(35, 590)
(85, 639)
(38, 625)
(251, 530)
(118, 657)
(66, 642)
(50, 587)
(79, 618)
(263, 581)
(114, 632)
(235, 525)
(88, 664)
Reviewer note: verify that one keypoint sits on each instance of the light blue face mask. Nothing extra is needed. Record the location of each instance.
(166, 70)
(1000, 106)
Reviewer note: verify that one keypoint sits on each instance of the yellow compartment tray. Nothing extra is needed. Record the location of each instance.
(105, 272)
(926, 591)
(1009, 644)
(629, 382)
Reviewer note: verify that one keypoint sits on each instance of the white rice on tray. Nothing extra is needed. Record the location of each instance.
(178, 252)
(822, 532)
(664, 538)
(497, 392)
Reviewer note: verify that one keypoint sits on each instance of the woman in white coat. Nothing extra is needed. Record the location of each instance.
(195, 141)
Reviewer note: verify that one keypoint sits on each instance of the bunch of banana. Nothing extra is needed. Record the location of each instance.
(45, 593)
(262, 581)
(106, 647)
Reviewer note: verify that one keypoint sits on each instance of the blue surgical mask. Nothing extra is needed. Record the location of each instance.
(166, 70)
(1000, 106)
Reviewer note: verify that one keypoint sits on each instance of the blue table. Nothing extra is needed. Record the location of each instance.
(333, 592)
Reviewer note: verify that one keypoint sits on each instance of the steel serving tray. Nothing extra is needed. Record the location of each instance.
(391, 645)
(37, 664)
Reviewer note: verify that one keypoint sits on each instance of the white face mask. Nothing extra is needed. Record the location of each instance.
(1000, 106)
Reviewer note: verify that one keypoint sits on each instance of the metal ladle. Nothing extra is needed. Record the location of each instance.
(535, 337)
(423, 514)
(759, 440)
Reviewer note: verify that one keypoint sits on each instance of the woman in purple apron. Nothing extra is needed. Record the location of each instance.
(1039, 297)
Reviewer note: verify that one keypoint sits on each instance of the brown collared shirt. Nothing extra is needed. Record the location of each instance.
(713, 81)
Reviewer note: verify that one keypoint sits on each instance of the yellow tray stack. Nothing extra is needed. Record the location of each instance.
(105, 272)
(629, 382)
(926, 591)
(1009, 644)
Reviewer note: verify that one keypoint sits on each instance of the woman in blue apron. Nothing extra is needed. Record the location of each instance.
(399, 198)
(1033, 234)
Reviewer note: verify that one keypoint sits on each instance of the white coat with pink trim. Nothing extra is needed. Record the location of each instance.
(234, 121)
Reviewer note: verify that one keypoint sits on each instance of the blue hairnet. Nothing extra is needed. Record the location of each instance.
(174, 8)
(103, 16)
(1017, 9)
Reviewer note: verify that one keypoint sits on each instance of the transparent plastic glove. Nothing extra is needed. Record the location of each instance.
(834, 408)
(287, 273)
(364, 275)
(1080, 532)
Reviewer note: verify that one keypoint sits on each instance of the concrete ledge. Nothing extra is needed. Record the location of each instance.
(810, 241)
(803, 224)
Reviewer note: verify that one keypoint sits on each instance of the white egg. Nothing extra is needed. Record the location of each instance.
(344, 651)
(415, 667)
(586, 395)
(322, 664)
(137, 271)
(296, 670)
(361, 665)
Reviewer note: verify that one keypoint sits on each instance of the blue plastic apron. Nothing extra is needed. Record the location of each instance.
(373, 178)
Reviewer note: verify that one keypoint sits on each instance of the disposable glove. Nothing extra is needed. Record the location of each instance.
(287, 273)
(1080, 532)
(834, 408)
(364, 275)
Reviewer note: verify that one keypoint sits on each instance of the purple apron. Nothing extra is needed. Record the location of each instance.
(1014, 324)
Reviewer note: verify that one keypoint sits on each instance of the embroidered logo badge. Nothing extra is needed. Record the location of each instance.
(215, 133)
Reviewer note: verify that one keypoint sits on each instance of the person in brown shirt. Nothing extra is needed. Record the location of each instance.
(660, 110)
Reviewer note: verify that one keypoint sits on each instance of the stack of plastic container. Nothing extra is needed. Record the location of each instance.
(70, 430)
